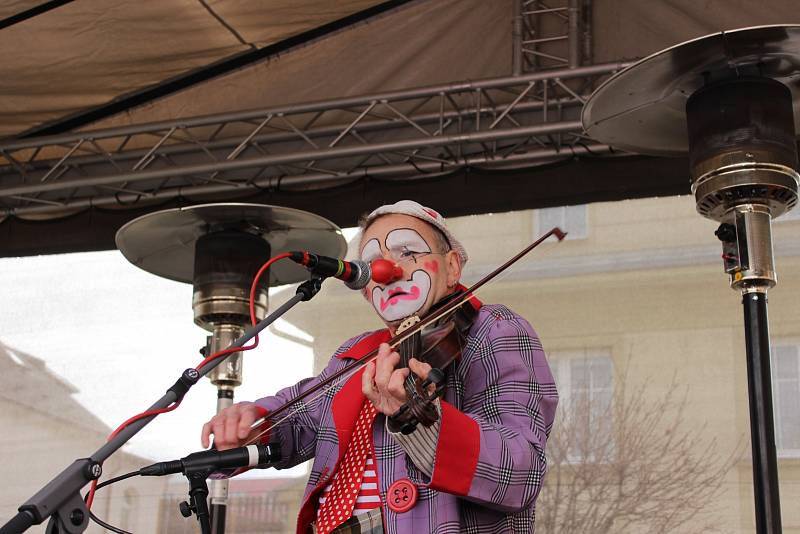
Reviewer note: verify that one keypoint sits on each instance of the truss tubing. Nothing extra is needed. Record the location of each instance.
(508, 121)
(550, 34)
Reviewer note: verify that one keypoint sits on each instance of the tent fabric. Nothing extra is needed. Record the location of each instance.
(437, 41)
(9, 8)
(423, 43)
(87, 53)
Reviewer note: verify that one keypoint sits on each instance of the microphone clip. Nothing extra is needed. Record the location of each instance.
(188, 379)
(198, 497)
(310, 287)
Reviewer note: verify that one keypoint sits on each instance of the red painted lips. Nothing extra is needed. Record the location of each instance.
(398, 294)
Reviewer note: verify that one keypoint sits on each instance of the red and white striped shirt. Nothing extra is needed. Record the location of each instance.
(368, 496)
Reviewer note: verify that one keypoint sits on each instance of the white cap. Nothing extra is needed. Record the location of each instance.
(432, 217)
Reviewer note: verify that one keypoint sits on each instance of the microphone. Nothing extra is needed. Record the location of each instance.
(355, 274)
(212, 460)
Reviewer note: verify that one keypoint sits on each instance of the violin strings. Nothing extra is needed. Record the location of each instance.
(410, 383)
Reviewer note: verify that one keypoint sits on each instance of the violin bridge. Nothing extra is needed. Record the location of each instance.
(407, 323)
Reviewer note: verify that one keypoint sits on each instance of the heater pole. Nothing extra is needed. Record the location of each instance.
(762, 428)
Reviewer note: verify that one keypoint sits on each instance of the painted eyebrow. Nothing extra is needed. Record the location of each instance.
(406, 236)
(371, 247)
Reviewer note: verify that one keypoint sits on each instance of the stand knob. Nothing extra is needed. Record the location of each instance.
(185, 508)
(76, 517)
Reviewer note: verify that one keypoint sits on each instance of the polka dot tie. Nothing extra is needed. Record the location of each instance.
(338, 507)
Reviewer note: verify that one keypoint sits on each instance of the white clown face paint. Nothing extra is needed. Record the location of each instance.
(403, 298)
(402, 244)
(371, 251)
(405, 244)
(429, 273)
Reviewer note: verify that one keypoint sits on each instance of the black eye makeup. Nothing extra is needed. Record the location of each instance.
(404, 244)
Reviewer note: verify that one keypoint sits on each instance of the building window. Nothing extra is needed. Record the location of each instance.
(571, 219)
(786, 397)
(585, 381)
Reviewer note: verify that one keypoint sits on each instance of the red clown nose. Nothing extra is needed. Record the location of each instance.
(385, 271)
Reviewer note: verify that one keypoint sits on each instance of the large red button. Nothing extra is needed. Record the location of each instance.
(402, 495)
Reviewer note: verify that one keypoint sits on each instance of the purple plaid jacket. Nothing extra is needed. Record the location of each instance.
(498, 410)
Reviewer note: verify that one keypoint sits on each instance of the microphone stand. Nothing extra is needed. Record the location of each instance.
(198, 494)
(60, 499)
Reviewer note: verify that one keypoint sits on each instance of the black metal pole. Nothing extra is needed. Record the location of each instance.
(762, 427)
(198, 493)
(219, 493)
(218, 513)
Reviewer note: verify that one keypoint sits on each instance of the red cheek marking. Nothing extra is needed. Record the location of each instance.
(431, 266)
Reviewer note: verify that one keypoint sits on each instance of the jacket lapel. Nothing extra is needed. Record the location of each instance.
(347, 402)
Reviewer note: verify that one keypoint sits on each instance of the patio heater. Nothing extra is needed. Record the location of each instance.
(219, 248)
(728, 100)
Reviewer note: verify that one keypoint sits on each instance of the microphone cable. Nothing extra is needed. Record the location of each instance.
(103, 484)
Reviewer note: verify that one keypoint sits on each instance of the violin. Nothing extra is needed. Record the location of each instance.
(438, 345)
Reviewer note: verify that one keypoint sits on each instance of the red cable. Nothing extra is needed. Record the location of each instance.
(255, 283)
(253, 319)
(214, 356)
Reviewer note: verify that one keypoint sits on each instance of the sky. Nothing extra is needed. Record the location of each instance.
(122, 336)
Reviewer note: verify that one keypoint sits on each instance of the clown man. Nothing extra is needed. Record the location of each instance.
(478, 468)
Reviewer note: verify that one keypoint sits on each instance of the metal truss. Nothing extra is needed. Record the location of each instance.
(418, 133)
(550, 34)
